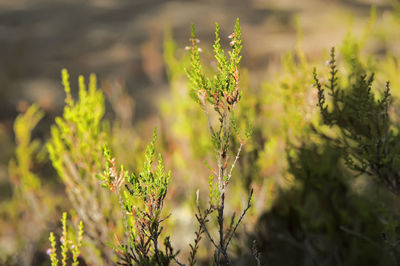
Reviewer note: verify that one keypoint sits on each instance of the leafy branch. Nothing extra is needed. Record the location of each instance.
(222, 93)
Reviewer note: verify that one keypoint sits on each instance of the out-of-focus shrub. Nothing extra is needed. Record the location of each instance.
(32, 203)
(76, 151)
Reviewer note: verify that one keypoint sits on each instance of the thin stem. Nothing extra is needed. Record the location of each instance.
(221, 225)
(200, 231)
(203, 223)
(240, 219)
(234, 162)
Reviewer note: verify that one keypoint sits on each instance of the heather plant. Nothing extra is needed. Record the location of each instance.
(31, 205)
(313, 209)
(75, 149)
(20, 167)
(366, 133)
(281, 111)
(319, 221)
(222, 93)
(326, 217)
(366, 136)
(141, 199)
(188, 144)
(70, 245)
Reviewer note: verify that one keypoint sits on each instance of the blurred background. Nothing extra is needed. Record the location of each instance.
(123, 40)
(132, 47)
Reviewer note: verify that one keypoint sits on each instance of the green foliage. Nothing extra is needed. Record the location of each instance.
(68, 245)
(149, 185)
(79, 131)
(75, 149)
(26, 150)
(31, 203)
(280, 111)
(222, 93)
(213, 192)
(366, 138)
(324, 212)
(326, 217)
(312, 212)
(53, 251)
(142, 201)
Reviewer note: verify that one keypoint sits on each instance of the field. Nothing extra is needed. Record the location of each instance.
(199, 133)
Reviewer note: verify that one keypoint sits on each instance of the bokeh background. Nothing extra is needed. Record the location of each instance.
(125, 42)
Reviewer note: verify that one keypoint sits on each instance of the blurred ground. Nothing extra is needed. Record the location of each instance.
(123, 39)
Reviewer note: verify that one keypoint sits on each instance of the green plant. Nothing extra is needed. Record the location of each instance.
(31, 203)
(68, 244)
(75, 149)
(366, 134)
(141, 199)
(311, 206)
(20, 167)
(319, 221)
(222, 93)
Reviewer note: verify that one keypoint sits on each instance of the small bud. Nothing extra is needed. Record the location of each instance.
(200, 50)
(187, 48)
(328, 63)
(232, 43)
(231, 35)
(49, 251)
(197, 41)
(73, 246)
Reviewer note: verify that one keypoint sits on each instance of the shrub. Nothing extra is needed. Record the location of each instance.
(69, 244)
(141, 199)
(369, 144)
(32, 203)
(310, 206)
(76, 151)
(222, 93)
